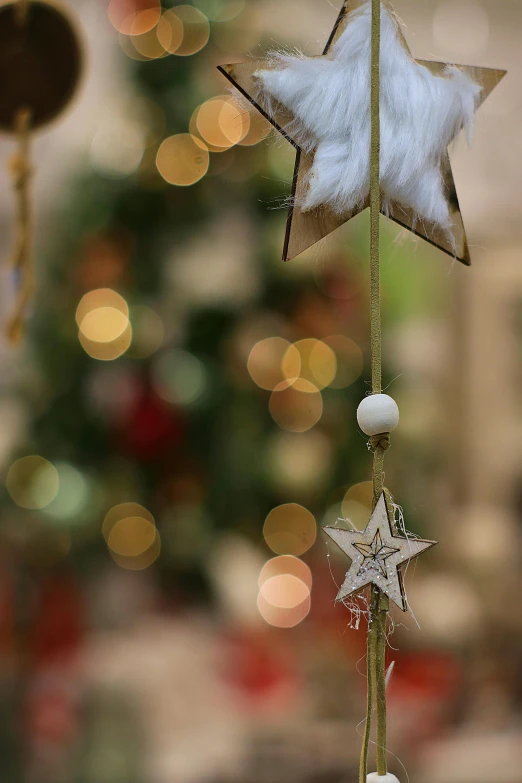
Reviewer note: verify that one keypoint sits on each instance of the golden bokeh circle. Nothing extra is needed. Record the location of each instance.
(349, 360)
(258, 129)
(142, 561)
(170, 31)
(265, 360)
(318, 364)
(196, 30)
(298, 407)
(281, 617)
(131, 536)
(286, 564)
(32, 482)
(221, 122)
(100, 297)
(134, 17)
(290, 529)
(107, 351)
(123, 511)
(104, 324)
(182, 159)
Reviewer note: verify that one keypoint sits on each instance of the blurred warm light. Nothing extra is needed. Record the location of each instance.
(141, 561)
(258, 129)
(349, 360)
(149, 45)
(265, 362)
(284, 600)
(73, 494)
(179, 377)
(131, 536)
(32, 482)
(461, 27)
(284, 591)
(124, 511)
(222, 122)
(299, 461)
(286, 564)
(290, 529)
(100, 297)
(318, 364)
(147, 331)
(134, 17)
(446, 606)
(196, 30)
(296, 408)
(182, 159)
(357, 504)
(283, 617)
(107, 351)
(104, 324)
(170, 31)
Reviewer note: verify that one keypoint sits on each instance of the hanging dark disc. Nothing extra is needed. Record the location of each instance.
(40, 62)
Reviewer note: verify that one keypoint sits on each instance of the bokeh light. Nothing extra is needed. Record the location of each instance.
(258, 129)
(32, 482)
(149, 45)
(196, 30)
(286, 564)
(299, 462)
(131, 535)
(134, 17)
(290, 529)
(349, 360)
(357, 504)
(141, 561)
(73, 497)
(124, 511)
(318, 364)
(221, 122)
(170, 31)
(179, 377)
(101, 297)
(298, 407)
(265, 363)
(107, 351)
(147, 331)
(182, 159)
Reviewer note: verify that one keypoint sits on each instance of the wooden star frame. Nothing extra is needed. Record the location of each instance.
(378, 554)
(304, 229)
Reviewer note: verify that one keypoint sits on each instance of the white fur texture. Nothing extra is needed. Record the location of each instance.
(329, 98)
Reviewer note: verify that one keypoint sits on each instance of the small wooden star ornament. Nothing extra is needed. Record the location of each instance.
(378, 555)
(306, 226)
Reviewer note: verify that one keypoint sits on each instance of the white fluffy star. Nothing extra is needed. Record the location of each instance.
(377, 554)
(329, 98)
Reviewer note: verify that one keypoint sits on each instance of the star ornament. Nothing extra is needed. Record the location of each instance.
(267, 87)
(378, 555)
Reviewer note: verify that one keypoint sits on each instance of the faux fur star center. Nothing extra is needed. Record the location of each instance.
(329, 99)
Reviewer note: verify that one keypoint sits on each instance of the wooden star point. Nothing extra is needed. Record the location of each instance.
(304, 229)
(378, 555)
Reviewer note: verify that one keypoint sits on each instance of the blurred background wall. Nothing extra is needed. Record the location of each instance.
(181, 421)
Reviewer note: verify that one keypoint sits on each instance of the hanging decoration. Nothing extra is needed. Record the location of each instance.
(40, 69)
(371, 127)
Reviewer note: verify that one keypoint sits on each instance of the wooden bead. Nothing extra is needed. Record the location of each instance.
(373, 777)
(377, 414)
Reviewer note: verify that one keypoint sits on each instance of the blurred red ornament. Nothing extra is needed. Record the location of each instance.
(152, 429)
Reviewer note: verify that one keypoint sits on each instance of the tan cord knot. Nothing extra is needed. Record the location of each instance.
(381, 441)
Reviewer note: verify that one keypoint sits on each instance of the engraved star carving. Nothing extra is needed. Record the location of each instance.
(304, 229)
(378, 555)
